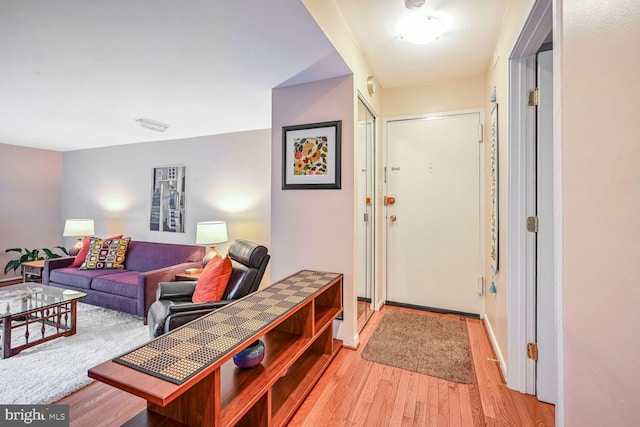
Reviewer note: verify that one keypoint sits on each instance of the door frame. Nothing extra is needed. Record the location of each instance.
(544, 16)
(383, 190)
(375, 223)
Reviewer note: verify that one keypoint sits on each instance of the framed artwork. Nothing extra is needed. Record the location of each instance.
(311, 156)
(493, 191)
(168, 199)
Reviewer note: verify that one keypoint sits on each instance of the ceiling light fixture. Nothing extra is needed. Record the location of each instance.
(152, 124)
(420, 29)
(413, 4)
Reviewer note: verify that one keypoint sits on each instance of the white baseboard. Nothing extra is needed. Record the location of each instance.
(496, 347)
(353, 345)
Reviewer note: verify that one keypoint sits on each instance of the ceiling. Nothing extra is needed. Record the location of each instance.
(464, 49)
(76, 74)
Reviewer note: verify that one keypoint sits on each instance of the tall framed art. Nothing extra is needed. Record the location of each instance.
(493, 189)
(168, 199)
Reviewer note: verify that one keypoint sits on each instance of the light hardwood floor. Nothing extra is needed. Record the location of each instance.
(356, 392)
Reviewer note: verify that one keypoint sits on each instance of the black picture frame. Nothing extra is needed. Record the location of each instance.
(311, 156)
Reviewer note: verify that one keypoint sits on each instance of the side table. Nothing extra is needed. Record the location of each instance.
(188, 277)
(33, 270)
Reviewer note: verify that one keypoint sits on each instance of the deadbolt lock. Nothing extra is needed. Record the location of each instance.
(393, 218)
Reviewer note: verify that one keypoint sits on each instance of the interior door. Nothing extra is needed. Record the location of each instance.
(546, 370)
(433, 224)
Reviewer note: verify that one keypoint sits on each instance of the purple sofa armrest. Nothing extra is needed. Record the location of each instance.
(52, 264)
(148, 284)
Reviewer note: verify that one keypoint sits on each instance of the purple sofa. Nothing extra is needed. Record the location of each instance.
(133, 289)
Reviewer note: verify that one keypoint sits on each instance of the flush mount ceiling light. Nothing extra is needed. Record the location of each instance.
(420, 29)
(152, 124)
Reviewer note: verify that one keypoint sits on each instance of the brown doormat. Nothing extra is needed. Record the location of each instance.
(429, 345)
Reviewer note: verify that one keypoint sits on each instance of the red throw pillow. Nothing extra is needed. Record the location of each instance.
(85, 248)
(213, 280)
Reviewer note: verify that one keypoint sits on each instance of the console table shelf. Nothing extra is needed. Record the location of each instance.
(299, 345)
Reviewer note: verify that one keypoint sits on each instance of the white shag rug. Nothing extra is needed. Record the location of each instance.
(50, 371)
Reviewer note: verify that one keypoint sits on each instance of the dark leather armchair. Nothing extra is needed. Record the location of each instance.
(173, 306)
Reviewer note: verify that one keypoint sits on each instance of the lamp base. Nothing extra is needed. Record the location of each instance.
(210, 255)
(73, 250)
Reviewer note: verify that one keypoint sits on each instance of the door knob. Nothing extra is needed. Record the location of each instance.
(393, 218)
(389, 200)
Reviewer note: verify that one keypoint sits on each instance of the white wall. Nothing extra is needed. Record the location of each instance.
(600, 145)
(30, 186)
(227, 179)
(450, 95)
(498, 76)
(314, 229)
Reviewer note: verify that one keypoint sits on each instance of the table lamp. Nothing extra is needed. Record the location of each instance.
(210, 233)
(78, 228)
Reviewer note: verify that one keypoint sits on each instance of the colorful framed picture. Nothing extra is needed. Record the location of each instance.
(311, 156)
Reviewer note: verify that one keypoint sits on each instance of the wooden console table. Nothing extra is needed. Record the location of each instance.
(293, 317)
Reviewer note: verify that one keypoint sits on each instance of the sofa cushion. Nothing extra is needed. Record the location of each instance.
(106, 254)
(123, 283)
(82, 255)
(148, 256)
(75, 278)
(213, 280)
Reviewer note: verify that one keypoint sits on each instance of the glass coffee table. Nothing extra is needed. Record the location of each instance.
(31, 314)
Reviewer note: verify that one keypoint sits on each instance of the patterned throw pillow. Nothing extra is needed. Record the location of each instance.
(82, 255)
(106, 254)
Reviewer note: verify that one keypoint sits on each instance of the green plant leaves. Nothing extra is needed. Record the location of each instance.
(31, 255)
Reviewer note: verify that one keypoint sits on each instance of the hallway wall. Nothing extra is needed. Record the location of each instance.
(601, 211)
(314, 229)
(450, 95)
(498, 77)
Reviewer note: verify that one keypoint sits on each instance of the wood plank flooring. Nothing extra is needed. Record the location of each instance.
(356, 392)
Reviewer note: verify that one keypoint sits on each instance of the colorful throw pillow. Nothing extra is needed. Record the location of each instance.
(106, 254)
(213, 280)
(82, 255)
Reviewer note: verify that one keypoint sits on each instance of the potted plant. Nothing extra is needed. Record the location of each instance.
(31, 255)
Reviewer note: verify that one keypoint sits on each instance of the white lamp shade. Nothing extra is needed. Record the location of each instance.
(79, 227)
(211, 232)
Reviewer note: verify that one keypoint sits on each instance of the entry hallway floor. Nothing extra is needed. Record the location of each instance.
(356, 392)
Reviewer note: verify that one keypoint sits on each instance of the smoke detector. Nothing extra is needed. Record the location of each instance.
(413, 4)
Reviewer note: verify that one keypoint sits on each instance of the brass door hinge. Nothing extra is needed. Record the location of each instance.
(532, 224)
(532, 351)
(534, 97)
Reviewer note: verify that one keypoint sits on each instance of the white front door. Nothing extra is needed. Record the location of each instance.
(433, 228)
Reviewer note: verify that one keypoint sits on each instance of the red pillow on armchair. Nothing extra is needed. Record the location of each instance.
(213, 280)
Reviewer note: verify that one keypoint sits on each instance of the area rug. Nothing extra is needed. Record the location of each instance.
(47, 372)
(429, 345)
